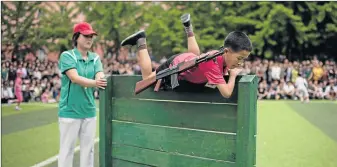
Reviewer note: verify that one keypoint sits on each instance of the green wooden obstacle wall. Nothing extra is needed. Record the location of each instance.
(197, 128)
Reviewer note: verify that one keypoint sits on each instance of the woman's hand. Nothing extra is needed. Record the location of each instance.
(101, 83)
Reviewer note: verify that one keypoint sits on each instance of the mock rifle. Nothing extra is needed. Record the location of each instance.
(174, 71)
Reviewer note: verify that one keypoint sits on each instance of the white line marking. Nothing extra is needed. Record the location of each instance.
(178, 101)
(54, 158)
(170, 127)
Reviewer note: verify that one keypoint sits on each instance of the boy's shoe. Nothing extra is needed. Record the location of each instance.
(132, 39)
(186, 19)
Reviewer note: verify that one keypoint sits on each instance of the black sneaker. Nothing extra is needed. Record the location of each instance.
(132, 39)
(186, 19)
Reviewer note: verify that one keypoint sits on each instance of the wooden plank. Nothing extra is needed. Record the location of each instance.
(122, 163)
(105, 125)
(200, 143)
(164, 159)
(123, 86)
(246, 134)
(215, 117)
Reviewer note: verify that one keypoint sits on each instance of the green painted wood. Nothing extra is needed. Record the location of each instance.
(123, 86)
(105, 125)
(200, 143)
(122, 163)
(159, 140)
(216, 117)
(246, 133)
(164, 159)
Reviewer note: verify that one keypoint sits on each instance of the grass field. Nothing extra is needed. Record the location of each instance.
(290, 134)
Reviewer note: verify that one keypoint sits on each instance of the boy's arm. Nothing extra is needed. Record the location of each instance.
(226, 89)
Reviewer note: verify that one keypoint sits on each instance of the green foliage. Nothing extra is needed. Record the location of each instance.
(112, 20)
(55, 30)
(294, 29)
(17, 22)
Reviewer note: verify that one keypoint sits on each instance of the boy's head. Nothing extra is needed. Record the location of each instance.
(237, 48)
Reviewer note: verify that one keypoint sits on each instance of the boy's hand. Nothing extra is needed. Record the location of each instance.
(235, 71)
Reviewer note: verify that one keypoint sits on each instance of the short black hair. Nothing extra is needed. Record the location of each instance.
(238, 41)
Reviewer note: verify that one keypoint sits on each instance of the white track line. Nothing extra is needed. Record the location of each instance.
(54, 158)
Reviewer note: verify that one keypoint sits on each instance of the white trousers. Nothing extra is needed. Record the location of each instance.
(70, 129)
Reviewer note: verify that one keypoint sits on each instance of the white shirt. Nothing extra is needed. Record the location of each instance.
(288, 88)
(276, 72)
(37, 74)
(328, 89)
(301, 83)
(7, 92)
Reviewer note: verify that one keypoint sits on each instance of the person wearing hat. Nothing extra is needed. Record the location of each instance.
(82, 72)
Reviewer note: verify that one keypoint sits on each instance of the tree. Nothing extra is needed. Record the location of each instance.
(113, 21)
(55, 28)
(18, 21)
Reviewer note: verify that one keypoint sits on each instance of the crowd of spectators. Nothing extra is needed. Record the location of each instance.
(278, 79)
(281, 79)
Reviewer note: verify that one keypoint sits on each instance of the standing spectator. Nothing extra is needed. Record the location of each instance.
(4, 72)
(288, 71)
(11, 73)
(82, 72)
(269, 75)
(18, 90)
(276, 71)
(294, 72)
(307, 70)
(317, 72)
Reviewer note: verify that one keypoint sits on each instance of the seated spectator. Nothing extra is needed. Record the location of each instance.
(46, 97)
(289, 90)
(311, 90)
(273, 91)
(280, 89)
(7, 94)
(37, 92)
(331, 90)
(262, 91)
(319, 93)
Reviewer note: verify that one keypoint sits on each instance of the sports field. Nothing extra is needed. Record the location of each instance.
(290, 134)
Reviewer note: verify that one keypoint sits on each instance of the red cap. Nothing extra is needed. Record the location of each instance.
(84, 28)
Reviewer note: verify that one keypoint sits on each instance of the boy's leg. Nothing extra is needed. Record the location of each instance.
(192, 44)
(143, 57)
